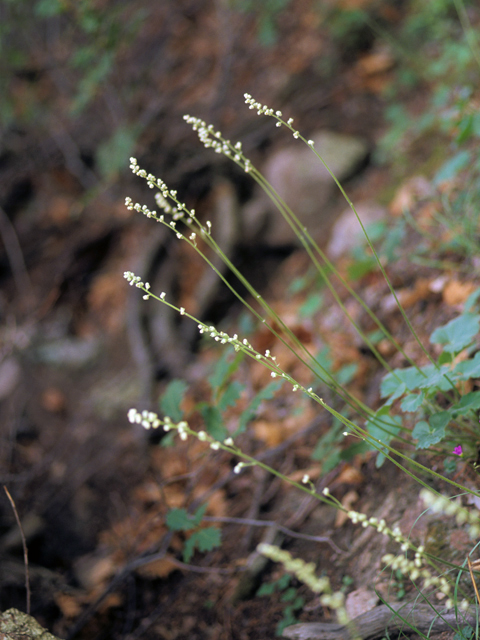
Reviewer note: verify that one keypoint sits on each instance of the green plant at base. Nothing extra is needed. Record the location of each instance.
(382, 428)
(289, 595)
(201, 538)
(434, 391)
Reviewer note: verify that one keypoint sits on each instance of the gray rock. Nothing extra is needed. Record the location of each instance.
(305, 184)
(347, 232)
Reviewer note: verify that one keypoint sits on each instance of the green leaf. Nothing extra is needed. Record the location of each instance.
(230, 395)
(289, 595)
(410, 376)
(471, 301)
(49, 8)
(111, 154)
(431, 432)
(250, 412)
(172, 398)
(283, 582)
(436, 378)
(412, 402)
(468, 368)
(452, 167)
(383, 427)
(346, 373)
(360, 268)
(458, 333)
(398, 393)
(214, 422)
(203, 540)
(469, 402)
(312, 304)
(266, 589)
(225, 367)
(180, 520)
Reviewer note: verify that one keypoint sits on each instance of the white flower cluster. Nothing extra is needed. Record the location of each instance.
(305, 572)
(140, 208)
(411, 568)
(212, 139)
(136, 281)
(224, 338)
(442, 504)
(150, 420)
(150, 178)
(262, 109)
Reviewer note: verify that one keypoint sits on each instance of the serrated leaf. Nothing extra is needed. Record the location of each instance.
(214, 422)
(458, 333)
(230, 396)
(172, 398)
(180, 520)
(412, 402)
(469, 402)
(203, 540)
(199, 513)
(431, 432)
(436, 378)
(250, 412)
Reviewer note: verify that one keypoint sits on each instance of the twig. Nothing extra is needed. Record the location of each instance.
(271, 523)
(15, 255)
(24, 544)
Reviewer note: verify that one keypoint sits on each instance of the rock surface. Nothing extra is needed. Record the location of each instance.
(16, 625)
(305, 184)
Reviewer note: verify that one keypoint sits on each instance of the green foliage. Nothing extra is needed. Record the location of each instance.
(224, 395)
(203, 539)
(266, 13)
(431, 392)
(85, 37)
(289, 595)
(172, 398)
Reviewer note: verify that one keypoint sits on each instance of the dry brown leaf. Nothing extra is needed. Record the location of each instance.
(158, 569)
(271, 433)
(456, 292)
(92, 570)
(348, 500)
(53, 400)
(409, 193)
(107, 298)
(69, 605)
(350, 475)
(312, 472)
(217, 504)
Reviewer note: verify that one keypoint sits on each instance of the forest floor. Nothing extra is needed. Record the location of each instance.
(91, 490)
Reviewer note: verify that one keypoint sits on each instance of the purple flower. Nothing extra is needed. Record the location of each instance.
(458, 450)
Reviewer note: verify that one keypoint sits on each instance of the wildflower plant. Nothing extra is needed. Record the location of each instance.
(419, 386)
